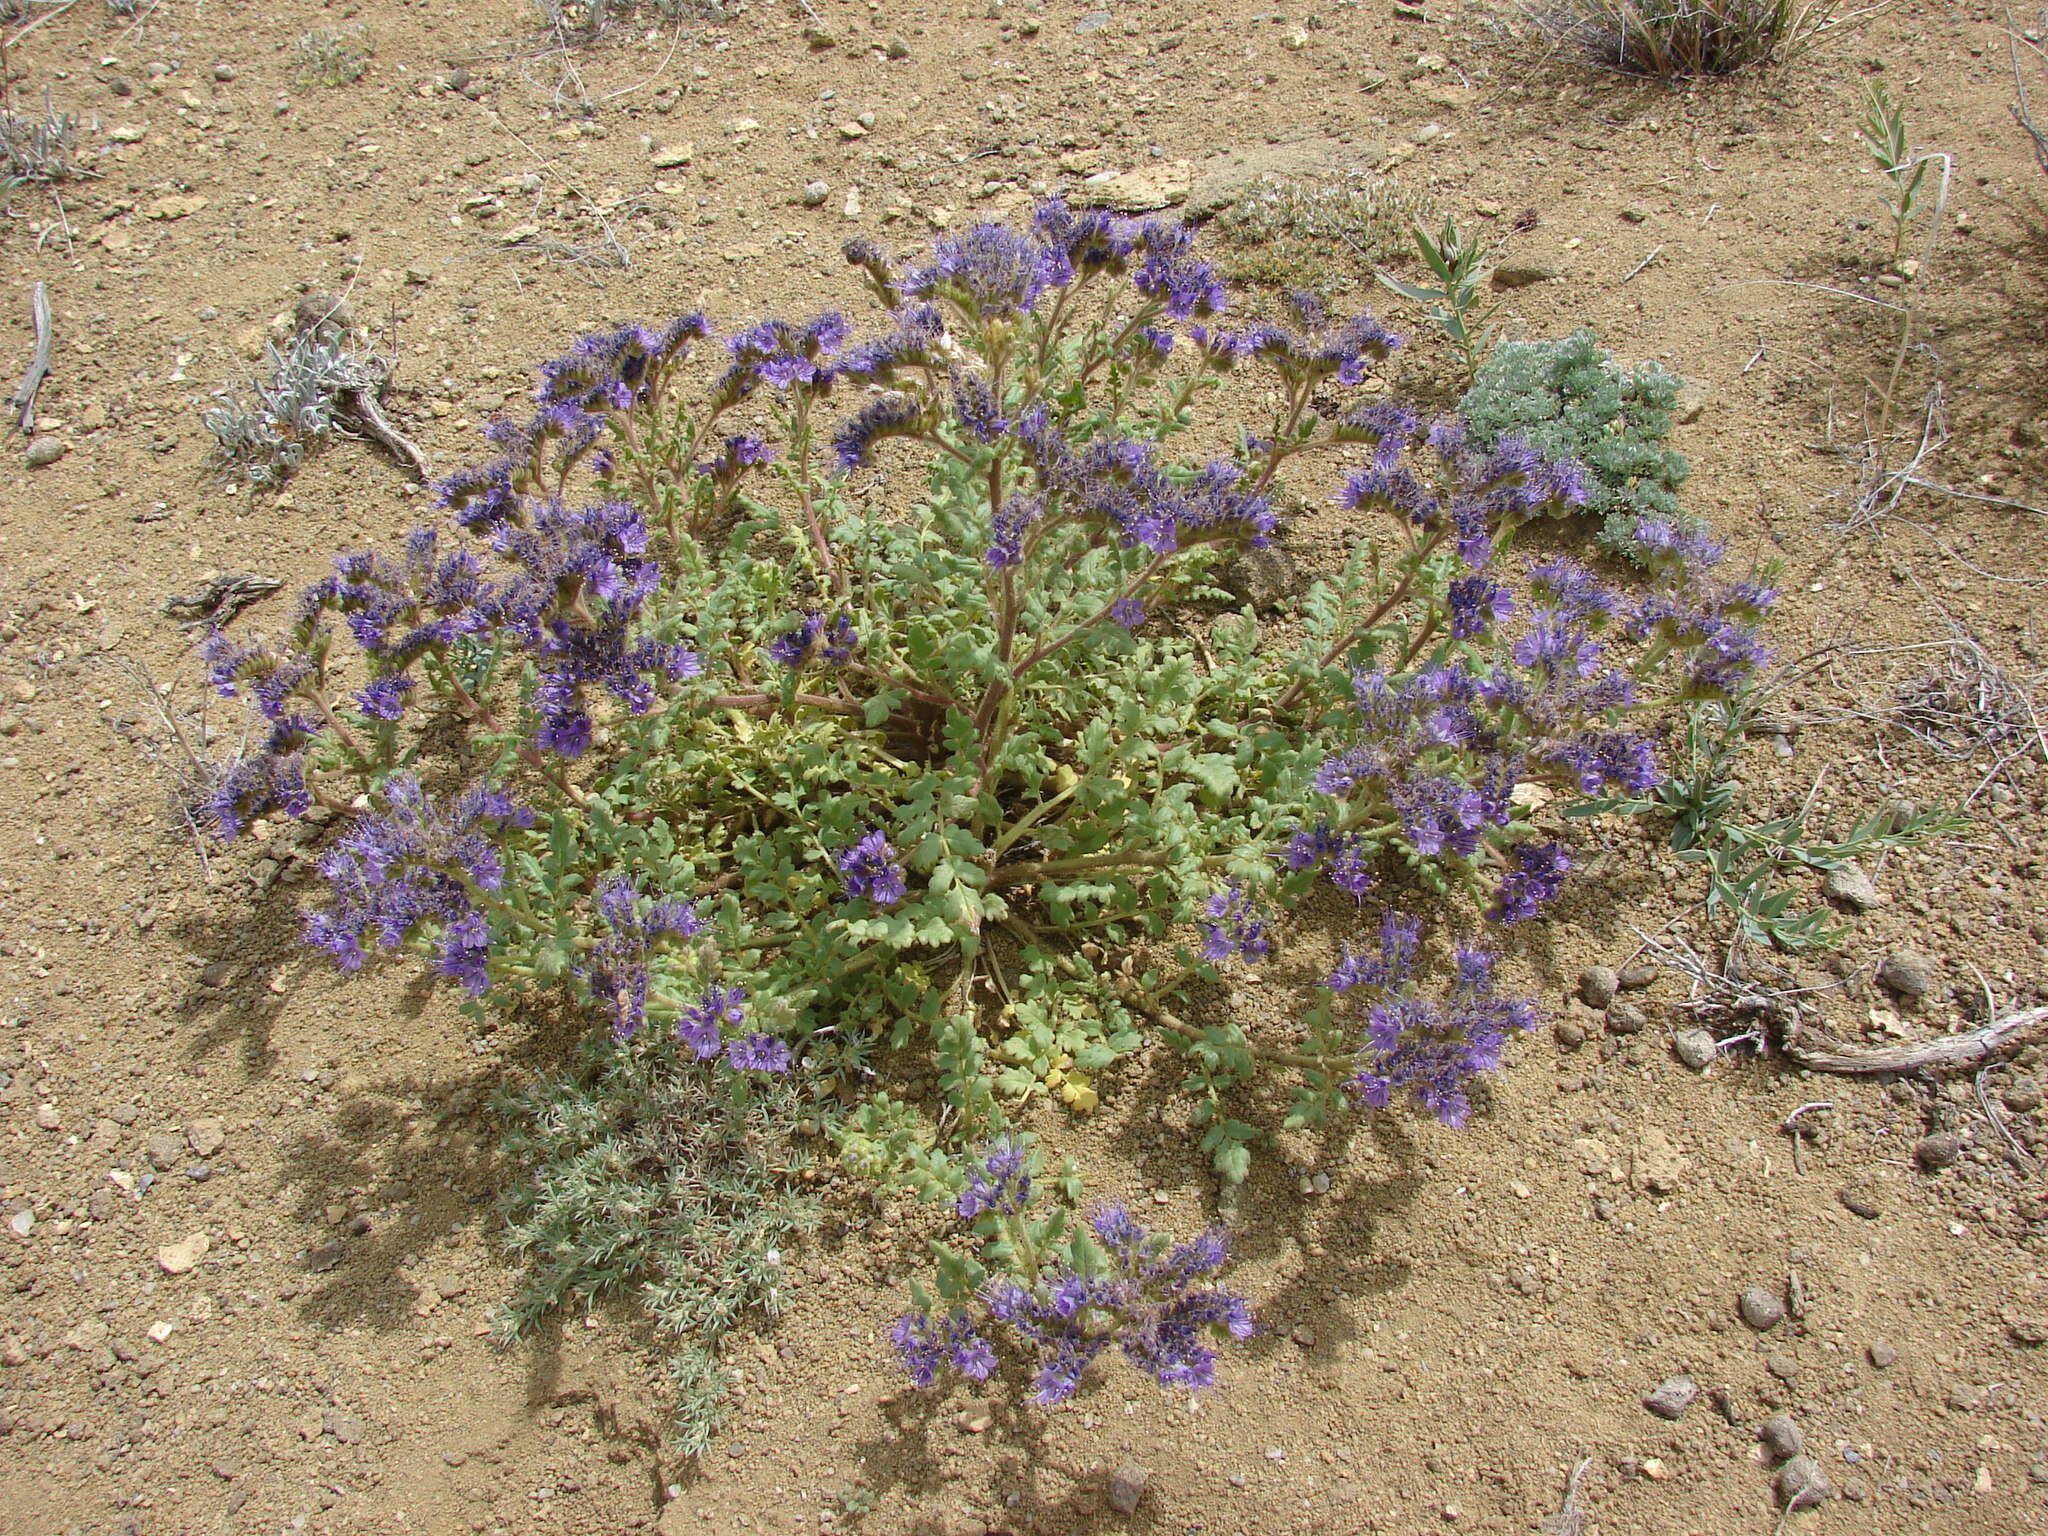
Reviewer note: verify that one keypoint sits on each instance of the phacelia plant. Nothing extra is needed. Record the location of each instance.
(853, 705)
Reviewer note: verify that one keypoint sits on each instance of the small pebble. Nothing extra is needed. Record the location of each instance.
(1760, 1309)
(1850, 885)
(1597, 985)
(1127, 1487)
(223, 72)
(815, 193)
(1781, 1438)
(1801, 1484)
(1634, 978)
(1908, 973)
(1883, 1354)
(2022, 1097)
(1941, 1150)
(1861, 1200)
(1695, 1047)
(1569, 1033)
(44, 451)
(47, 1117)
(1671, 1398)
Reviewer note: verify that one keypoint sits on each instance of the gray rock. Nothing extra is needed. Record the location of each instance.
(1510, 275)
(1883, 1353)
(1909, 973)
(44, 450)
(1760, 1309)
(1263, 577)
(1597, 985)
(1941, 1150)
(1781, 1438)
(1222, 181)
(1626, 1019)
(205, 1136)
(223, 72)
(815, 193)
(1801, 1484)
(1849, 884)
(163, 1150)
(1673, 1397)
(1696, 1048)
(1126, 1487)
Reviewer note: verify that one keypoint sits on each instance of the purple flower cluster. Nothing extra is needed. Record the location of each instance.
(1233, 926)
(1428, 474)
(872, 869)
(831, 643)
(1123, 485)
(927, 1345)
(999, 1181)
(1349, 857)
(617, 973)
(417, 867)
(1533, 883)
(1153, 1300)
(1416, 1045)
(1347, 350)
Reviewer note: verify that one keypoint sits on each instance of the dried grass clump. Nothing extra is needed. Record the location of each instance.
(38, 146)
(1668, 39)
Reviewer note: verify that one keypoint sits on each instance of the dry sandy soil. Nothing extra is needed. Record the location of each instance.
(1461, 1318)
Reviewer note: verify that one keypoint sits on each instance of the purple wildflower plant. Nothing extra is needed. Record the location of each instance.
(619, 969)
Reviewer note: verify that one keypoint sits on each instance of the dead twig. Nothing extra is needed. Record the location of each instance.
(1948, 1054)
(1570, 1520)
(359, 406)
(24, 401)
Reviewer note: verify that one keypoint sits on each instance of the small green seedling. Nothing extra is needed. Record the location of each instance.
(1461, 266)
(1884, 131)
